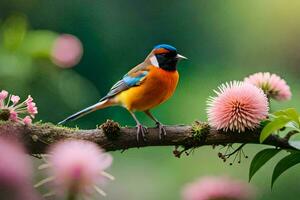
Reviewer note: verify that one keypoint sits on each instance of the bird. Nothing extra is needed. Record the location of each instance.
(144, 87)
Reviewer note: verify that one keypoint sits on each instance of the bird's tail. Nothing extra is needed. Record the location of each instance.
(102, 104)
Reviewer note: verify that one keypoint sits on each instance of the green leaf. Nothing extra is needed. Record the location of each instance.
(284, 164)
(294, 141)
(273, 126)
(260, 159)
(264, 122)
(289, 128)
(290, 113)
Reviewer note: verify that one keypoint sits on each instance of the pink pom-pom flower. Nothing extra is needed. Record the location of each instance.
(11, 109)
(238, 106)
(77, 168)
(215, 188)
(272, 85)
(67, 51)
(15, 172)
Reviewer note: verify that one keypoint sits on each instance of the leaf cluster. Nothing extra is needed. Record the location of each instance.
(283, 123)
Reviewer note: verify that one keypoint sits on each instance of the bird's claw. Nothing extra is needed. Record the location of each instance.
(141, 131)
(161, 129)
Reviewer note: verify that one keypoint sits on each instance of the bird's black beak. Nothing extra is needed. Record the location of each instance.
(181, 57)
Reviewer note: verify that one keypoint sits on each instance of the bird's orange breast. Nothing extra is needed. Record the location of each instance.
(158, 86)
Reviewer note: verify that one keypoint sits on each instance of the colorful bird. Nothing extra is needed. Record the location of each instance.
(144, 87)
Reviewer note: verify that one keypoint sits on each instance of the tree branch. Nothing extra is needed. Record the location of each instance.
(110, 136)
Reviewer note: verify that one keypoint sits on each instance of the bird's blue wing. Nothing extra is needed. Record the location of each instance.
(131, 79)
(134, 79)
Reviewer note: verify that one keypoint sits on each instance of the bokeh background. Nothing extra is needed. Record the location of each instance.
(224, 40)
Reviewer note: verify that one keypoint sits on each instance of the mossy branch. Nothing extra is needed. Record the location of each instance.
(110, 136)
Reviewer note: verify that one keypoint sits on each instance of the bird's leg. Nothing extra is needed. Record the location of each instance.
(141, 130)
(160, 126)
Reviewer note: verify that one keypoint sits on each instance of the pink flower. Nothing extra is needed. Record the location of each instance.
(78, 167)
(11, 110)
(3, 94)
(15, 166)
(13, 116)
(272, 85)
(238, 106)
(15, 172)
(29, 99)
(32, 109)
(27, 120)
(31, 106)
(15, 99)
(67, 51)
(217, 188)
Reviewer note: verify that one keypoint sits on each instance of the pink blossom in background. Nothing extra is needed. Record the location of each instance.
(78, 167)
(238, 106)
(218, 188)
(273, 86)
(23, 112)
(67, 51)
(15, 166)
(15, 172)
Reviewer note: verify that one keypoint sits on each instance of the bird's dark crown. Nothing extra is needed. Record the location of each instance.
(166, 56)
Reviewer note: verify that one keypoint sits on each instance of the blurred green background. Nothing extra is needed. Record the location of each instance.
(224, 40)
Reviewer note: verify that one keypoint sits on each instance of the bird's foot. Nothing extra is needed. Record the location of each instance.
(141, 132)
(161, 129)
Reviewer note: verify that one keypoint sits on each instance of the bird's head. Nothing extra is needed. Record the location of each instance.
(165, 56)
